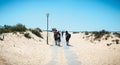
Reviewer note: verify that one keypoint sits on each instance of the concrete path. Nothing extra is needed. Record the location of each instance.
(63, 55)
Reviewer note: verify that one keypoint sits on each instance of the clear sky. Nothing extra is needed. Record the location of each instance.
(71, 15)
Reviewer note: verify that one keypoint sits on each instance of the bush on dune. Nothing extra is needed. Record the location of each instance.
(27, 35)
(5, 29)
(117, 34)
(21, 29)
(38, 29)
(16, 28)
(86, 33)
(99, 34)
(36, 32)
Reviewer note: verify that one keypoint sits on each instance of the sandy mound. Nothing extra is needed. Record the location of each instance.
(97, 53)
(18, 50)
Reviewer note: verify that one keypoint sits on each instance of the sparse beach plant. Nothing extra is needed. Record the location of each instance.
(117, 41)
(27, 35)
(16, 28)
(36, 32)
(107, 36)
(109, 44)
(100, 34)
(75, 32)
(86, 33)
(117, 34)
(38, 29)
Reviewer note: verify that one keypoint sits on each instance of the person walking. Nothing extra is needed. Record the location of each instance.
(68, 36)
(55, 36)
(58, 38)
(62, 33)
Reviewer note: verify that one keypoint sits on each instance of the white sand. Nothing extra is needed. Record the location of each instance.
(17, 50)
(95, 54)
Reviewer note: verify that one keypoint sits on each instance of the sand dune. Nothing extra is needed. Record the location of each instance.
(97, 53)
(15, 49)
(18, 50)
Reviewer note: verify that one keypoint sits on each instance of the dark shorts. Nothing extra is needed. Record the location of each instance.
(67, 39)
(58, 39)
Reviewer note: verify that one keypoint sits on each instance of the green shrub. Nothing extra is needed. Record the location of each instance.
(86, 33)
(38, 29)
(5, 29)
(16, 28)
(117, 41)
(19, 28)
(117, 34)
(1, 30)
(27, 35)
(99, 34)
(36, 32)
(75, 32)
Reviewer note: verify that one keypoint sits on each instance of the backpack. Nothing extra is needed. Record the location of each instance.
(69, 35)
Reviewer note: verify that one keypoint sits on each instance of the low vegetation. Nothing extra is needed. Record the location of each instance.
(27, 35)
(99, 34)
(1, 39)
(36, 32)
(86, 33)
(75, 32)
(117, 34)
(102, 35)
(16, 28)
(21, 29)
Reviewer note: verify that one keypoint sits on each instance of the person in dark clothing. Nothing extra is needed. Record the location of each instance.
(62, 33)
(55, 37)
(58, 38)
(68, 35)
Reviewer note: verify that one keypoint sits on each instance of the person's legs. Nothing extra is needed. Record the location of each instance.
(59, 41)
(55, 42)
(67, 41)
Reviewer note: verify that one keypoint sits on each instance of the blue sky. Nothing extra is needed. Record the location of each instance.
(71, 15)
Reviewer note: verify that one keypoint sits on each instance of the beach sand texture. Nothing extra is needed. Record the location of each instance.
(18, 50)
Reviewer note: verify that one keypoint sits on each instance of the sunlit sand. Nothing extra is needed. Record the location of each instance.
(18, 50)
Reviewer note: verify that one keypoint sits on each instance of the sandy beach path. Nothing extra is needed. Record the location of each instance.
(63, 55)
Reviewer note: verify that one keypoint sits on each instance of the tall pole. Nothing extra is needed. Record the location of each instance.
(47, 26)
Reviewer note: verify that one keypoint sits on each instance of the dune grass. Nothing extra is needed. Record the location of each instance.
(100, 34)
(15, 28)
(21, 29)
(36, 32)
(117, 34)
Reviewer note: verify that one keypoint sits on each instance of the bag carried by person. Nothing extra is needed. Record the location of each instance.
(69, 35)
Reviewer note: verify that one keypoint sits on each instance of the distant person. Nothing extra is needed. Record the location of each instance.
(62, 33)
(55, 36)
(58, 38)
(67, 35)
